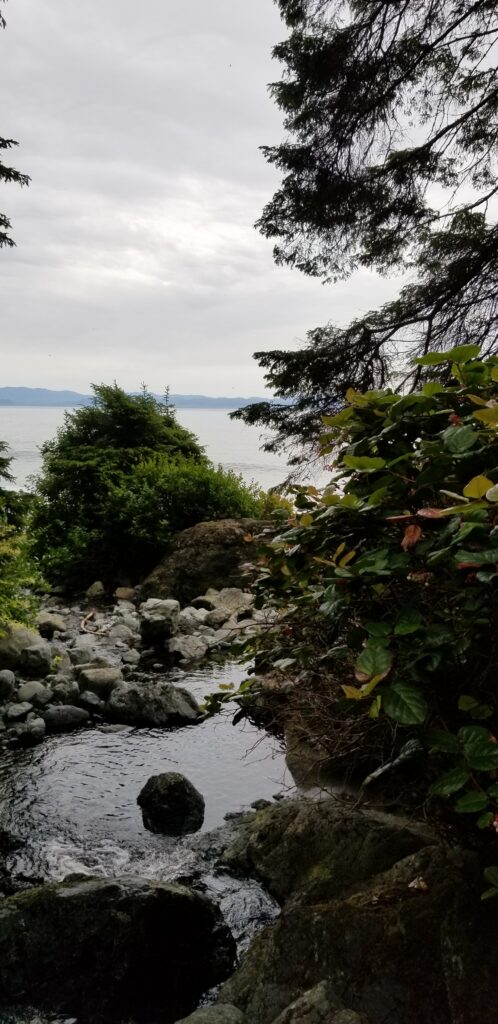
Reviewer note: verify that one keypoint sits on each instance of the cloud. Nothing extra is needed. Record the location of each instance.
(136, 258)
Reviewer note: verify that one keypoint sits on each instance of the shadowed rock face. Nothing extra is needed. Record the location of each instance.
(375, 906)
(171, 805)
(206, 555)
(108, 950)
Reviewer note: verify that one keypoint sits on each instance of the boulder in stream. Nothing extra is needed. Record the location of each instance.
(13, 641)
(36, 660)
(152, 703)
(64, 717)
(111, 949)
(171, 805)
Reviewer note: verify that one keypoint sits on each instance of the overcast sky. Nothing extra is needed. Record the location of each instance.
(136, 258)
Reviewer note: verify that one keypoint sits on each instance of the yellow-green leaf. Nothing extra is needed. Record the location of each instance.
(488, 416)
(477, 487)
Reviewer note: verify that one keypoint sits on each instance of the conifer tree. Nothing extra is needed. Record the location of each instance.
(8, 174)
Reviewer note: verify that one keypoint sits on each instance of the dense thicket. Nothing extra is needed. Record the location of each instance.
(391, 111)
(119, 479)
(18, 575)
(8, 174)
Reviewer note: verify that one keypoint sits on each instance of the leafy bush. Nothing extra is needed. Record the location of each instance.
(119, 479)
(18, 575)
(386, 581)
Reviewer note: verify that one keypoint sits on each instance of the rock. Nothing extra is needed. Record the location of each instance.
(171, 805)
(122, 632)
(49, 622)
(111, 949)
(7, 683)
(222, 1013)
(188, 648)
(83, 650)
(36, 660)
(30, 733)
(217, 617)
(190, 619)
(16, 712)
(95, 591)
(207, 555)
(13, 640)
(67, 691)
(235, 600)
(64, 718)
(99, 680)
(152, 703)
(158, 621)
(261, 805)
(317, 1006)
(131, 657)
(361, 888)
(124, 593)
(91, 702)
(205, 603)
(34, 692)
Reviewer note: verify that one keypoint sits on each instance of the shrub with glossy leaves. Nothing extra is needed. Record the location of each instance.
(386, 581)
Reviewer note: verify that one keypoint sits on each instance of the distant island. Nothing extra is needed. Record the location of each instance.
(45, 397)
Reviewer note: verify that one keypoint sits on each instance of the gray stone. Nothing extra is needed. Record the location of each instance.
(317, 1006)
(64, 718)
(30, 733)
(234, 599)
(131, 657)
(83, 650)
(190, 619)
(152, 703)
(91, 702)
(111, 949)
(7, 684)
(217, 617)
(95, 591)
(34, 692)
(125, 594)
(36, 660)
(13, 640)
(171, 805)
(222, 1013)
(158, 621)
(188, 648)
(100, 680)
(122, 632)
(67, 691)
(49, 622)
(16, 712)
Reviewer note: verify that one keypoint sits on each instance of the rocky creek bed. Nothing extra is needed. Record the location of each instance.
(341, 914)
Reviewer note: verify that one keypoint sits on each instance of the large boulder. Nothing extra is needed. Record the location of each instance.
(207, 555)
(49, 622)
(152, 703)
(36, 660)
(375, 907)
(7, 684)
(171, 805)
(13, 641)
(64, 718)
(100, 681)
(107, 949)
(158, 621)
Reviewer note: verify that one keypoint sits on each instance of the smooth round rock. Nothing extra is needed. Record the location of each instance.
(7, 684)
(171, 805)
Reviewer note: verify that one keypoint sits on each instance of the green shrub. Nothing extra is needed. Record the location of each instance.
(121, 477)
(386, 581)
(18, 575)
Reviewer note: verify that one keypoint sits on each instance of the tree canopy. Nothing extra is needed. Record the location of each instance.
(391, 113)
(8, 174)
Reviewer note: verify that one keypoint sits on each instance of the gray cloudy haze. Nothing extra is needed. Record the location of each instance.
(136, 258)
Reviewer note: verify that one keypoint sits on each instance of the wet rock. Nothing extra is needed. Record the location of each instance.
(30, 733)
(92, 703)
(111, 949)
(233, 599)
(361, 888)
(83, 650)
(317, 1006)
(171, 805)
(99, 680)
(188, 648)
(35, 693)
(210, 554)
(64, 718)
(67, 691)
(13, 641)
(190, 619)
(36, 660)
(7, 684)
(152, 703)
(205, 603)
(158, 621)
(50, 622)
(131, 657)
(122, 632)
(16, 712)
(124, 593)
(223, 1013)
(217, 617)
(96, 591)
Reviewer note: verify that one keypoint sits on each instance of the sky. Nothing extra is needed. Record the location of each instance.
(136, 256)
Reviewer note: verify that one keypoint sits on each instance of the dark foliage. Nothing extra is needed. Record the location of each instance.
(8, 174)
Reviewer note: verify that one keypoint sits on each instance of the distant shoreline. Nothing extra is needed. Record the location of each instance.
(47, 398)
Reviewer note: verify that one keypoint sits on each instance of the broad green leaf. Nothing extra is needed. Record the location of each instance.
(481, 751)
(492, 494)
(363, 463)
(459, 439)
(339, 418)
(494, 373)
(491, 876)
(466, 702)
(477, 400)
(488, 416)
(476, 557)
(374, 709)
(432, 388)
(485, 820)
(461, 353)
(471, 802)
(409, 622)
(432, 359)
(493, 791)
(477, 487)
(374, 660)
(445, 742)
(405, 704)
(451, 782)
(379, 628)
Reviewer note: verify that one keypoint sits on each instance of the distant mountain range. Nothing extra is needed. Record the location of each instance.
(45, 397)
